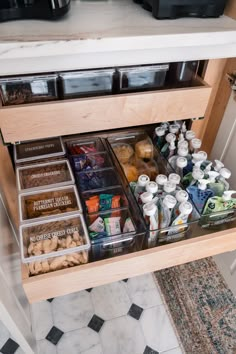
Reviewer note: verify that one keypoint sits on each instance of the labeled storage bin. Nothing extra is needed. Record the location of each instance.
(44, 175)
(87, 162)
(54, 244)
(104, 199)
(28, 89)
(38, 150)
(91, 180)
(87, 83)
(47, 203)
(85, 146)
(143, 77)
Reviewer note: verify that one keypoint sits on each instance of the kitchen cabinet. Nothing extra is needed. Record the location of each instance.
(110, 40)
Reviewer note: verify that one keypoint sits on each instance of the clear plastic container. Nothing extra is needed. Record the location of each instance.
(137, 155)
(38, 150)
(28, 89)
(85, 146)
(105, 178)
(87, 83)
(143, 77)
(105, 199)
(48, 203)
(123, 233)
(91, 161)
(54, 244)
(45, 175)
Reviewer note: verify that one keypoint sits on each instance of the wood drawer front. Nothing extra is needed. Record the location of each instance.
(29, 122)
(107, 271)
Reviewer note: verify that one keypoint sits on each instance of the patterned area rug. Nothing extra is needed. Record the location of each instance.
(202, 307)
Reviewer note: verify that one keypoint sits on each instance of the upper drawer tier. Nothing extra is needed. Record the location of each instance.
(43, 120)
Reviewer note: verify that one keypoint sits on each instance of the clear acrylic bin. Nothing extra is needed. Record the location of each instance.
(38, 150)
(54, 244)
(48, 203)
(44, 175)
(85, 146)
(137, 155)
(127, 236)
(132, 138)
(87, 83)
(143, 77)
(105, 178)
(104, 199)
(28, 89)
(88, 162)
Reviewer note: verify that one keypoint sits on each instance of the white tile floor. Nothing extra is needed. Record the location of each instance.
(145, 330)
(120, 332)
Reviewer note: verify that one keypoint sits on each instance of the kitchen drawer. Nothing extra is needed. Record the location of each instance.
(29, 122)
(106, 271)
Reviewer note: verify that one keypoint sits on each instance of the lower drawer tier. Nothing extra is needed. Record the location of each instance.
(206, 243)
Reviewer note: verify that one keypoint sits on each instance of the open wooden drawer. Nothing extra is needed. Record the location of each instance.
(28, 122)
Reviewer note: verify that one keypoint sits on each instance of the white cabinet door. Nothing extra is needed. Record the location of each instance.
(14, 307)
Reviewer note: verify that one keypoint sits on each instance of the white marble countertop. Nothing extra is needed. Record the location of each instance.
(108, 33)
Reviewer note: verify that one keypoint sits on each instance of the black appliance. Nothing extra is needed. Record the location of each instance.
(32, 9)
(171, 9)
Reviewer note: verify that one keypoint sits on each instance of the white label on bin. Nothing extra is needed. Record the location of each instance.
(39, 87)
(52, 203)
(51, 235)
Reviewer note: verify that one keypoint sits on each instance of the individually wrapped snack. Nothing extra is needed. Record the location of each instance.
(97, 225)
(123, 152)
(92, 204)
(144, 149)
(115, 202)
(105, 201)
(128, 226)
(112, 225)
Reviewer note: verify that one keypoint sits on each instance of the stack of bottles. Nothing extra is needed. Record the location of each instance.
(163, 202)
(205, 181)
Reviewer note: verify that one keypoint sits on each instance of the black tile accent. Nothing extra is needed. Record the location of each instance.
(135, 311)
(10, 347)
(54, 335)
(125, 280)
(96, 323)
(149, 350)
(50, 300)
(89, 290)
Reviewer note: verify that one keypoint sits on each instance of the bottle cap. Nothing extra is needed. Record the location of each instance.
(161, 180)
(174, 178)
(218, 165)
(225, 173)
(172, 145)
(183, 128)
(208, 168)
(160, 131)
(146, 197)
(169, 201)
(165, 125)
(170, 137)
(202, 185)
(152, 187)
(181, 162)
(197, 174)
(183, 143)
(202, 155)
(182, 151)
(185, 208)
(227, 195)
(169, 187)
(174, 128)
(196, 143)
(181, 196)
(189, 135)
(143, 180)
(212, 176)
(149, 209)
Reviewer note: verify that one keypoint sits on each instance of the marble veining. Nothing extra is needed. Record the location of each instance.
(42, 321)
